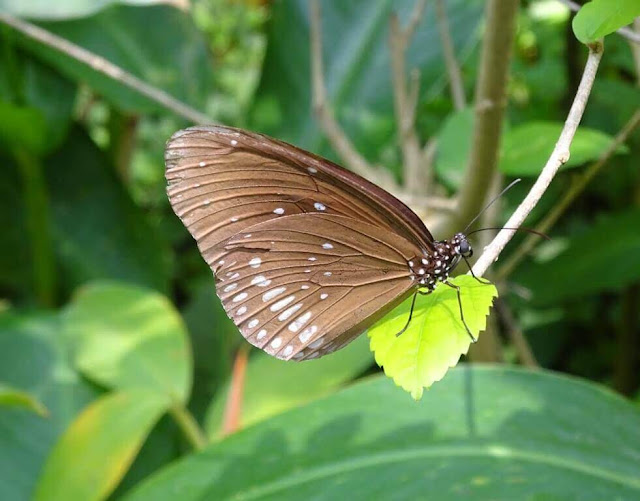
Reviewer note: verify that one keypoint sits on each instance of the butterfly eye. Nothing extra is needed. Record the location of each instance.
(465, 248)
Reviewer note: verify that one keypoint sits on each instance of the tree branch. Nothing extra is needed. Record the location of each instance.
(559, 156)
(102, 65)
(520, 343)
(405, 100)
(490, 106)
(453, 69)
(338, 139)
(569, 196)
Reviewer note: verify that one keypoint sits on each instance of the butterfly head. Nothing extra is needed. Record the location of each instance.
(461, 245)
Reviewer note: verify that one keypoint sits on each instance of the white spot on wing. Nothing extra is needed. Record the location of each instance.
(258, 280)
(304, 287)
(312, 259)
(288, 351)
(269, 295)
(242, 310)
(261, 334)
(282, 303)
(319, 206)
(306, 334)
(299, 322)
(276, 343)
(234, 142)
(255, 262)
(240, 297)
(253, 323)
(324, 295)
(317, 343)
(327, 245)
(278, 211)
(230, 287)
(327, 273)
(289, 311)
(202, 164)
(312, 170)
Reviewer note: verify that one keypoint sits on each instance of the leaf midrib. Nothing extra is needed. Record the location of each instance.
(496, 450)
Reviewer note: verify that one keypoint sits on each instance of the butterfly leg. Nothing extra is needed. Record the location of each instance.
(473, 338)
(413, 303)
(483, 282)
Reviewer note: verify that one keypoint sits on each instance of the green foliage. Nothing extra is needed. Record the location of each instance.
(436, 336)
(108, 432)
(600, 18)
(11, 397)
(483, 433)
(129, 338)
(273, 386)
(526, 148)
(114, 347)
(605, 267)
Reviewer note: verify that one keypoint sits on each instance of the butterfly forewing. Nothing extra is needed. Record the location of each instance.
(223, 180)
(304, 285)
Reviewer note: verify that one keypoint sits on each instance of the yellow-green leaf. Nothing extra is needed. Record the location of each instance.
(97, 449)
(436, 336)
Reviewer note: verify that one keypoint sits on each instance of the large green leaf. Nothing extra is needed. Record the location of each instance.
(599, 18)
(526, 148)
(95, 452)
(127, 337)
(62, 9)
(436, 336)
(161, 54)
(98, 232)
(34, 359)
(483, 433)
(606, 257)
(357, 67)
(273, 386)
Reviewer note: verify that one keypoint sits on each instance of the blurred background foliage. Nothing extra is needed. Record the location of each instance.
(113, 344)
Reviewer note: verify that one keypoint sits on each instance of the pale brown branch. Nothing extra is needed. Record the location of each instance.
(405, 100)
(337, 137)
(558, 157)
(453, 68)
(569, 196)
(102, 65)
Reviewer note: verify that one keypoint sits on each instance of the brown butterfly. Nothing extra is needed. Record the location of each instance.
(306, 254)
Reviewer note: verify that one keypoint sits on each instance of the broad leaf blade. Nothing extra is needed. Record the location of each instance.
(599, 18)
(96, 450)
(128, 337)
(526, 148)
(436, 336)
(483, 433)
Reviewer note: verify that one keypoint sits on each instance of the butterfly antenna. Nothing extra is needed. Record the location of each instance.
(491, 203)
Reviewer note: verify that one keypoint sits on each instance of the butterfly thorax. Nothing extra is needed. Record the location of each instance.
(435, 266)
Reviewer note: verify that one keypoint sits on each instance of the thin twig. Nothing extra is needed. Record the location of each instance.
(102, 65)
(520, 343)
(559, 156)
(405, 99)
(453, 68)
(569, 196)
(338, 139)
(629, 34)
(490, 106)
(233, 408)
(189, 426)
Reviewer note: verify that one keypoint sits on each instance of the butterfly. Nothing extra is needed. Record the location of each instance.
(306, 255)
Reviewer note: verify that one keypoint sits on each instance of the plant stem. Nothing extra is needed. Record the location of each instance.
(189, 426)
(490, 106)
(233, 409)
(38, 227)
(559, 156)
(102, 65)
